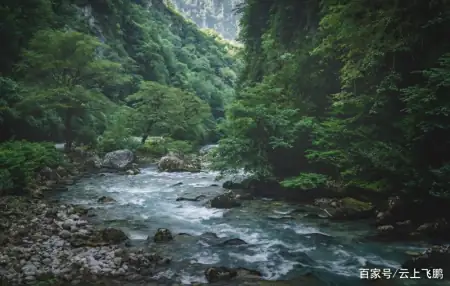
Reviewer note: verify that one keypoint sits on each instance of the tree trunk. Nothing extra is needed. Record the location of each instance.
(68, 130)
(144, 138)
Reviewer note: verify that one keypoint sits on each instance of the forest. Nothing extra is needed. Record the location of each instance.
(346, 95)
(98, 74)
(342, 95)
(332, 114)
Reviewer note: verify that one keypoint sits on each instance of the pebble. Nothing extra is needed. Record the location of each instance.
(48, 252)
(65, 234)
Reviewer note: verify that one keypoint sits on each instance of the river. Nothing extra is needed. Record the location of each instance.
(279, 247)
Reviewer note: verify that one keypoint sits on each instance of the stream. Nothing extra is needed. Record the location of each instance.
(280, 247)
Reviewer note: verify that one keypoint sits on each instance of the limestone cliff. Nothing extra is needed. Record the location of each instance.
(213, 14)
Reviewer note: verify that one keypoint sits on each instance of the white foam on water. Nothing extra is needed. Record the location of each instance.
(246, 234)
(274, 242)
(261, 256)
(274, 271)
(137, 235)
(206, 258)
(188, 279)
(378, 260)
(167, 274)
(199, 184)
(140, 190)
(82, 202)
(302, 229)
(194, 213)
(302, 248)
(282, 212)
(131, 200)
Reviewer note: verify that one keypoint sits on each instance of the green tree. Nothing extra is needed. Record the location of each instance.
(163, 110)
(69, 68)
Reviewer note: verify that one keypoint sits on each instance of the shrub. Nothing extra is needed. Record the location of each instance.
(109, 143)
(161, 146)
(20, 160)
(178, 146)
(306, 181)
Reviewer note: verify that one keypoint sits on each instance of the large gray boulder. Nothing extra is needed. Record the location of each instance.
(119, 159)
(179, 163)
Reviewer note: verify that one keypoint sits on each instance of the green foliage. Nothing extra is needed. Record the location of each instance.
(345, 93)
(76, 61)
(179, 146)
(153, 148)
(119, 131)
(164, 110)
(306, 181)
(67, 67)
(160, 146)
(20, 160)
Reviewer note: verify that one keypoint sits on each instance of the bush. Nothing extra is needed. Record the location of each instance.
(306, 181)
(178, 146)
(20, 160)
(108, 144)
(161, 146)
(153, 148)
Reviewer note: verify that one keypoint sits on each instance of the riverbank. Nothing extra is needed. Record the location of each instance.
(95, 252)
(55, 244)
(396, 217)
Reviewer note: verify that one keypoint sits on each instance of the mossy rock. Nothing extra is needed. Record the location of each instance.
(356, 205)
(350, 208)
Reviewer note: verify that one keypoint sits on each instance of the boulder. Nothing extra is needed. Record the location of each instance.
(162, 235)
(437, 257)
(119, 159)
(93, 162)
(62, 172)
(113, 235)
(225, 201)
(196, 199)
(48, 174)
(346, 208)
(106, 200)
(232, 185)
(232, 242)
(133, 171)
(177, 163)
(216, 274)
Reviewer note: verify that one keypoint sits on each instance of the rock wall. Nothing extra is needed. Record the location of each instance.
(213, 14)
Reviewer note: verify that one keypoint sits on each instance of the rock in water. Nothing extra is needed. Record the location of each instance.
(106, 200)
(177, 163)
(232, 185)
(233, 241)
(93, 163)
(119, 159)
(437, 257)
(196, 199)
(216, 274)
(162, 235)
(170, 163)
(112, 235)
(225, 201)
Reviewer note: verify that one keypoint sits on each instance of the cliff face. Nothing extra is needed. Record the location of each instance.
(213, 14)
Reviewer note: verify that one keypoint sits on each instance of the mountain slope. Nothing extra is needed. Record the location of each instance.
(151, 41)
(212, 14)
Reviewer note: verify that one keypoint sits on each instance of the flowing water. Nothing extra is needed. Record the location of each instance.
(278, 246)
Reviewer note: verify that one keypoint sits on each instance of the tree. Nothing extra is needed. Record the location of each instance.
(70, 68)
(163, 110)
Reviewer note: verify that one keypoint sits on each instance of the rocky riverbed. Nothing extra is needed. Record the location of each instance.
(147, 227)
(54, 243)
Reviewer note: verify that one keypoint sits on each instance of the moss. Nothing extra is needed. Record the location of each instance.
(357, 205)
